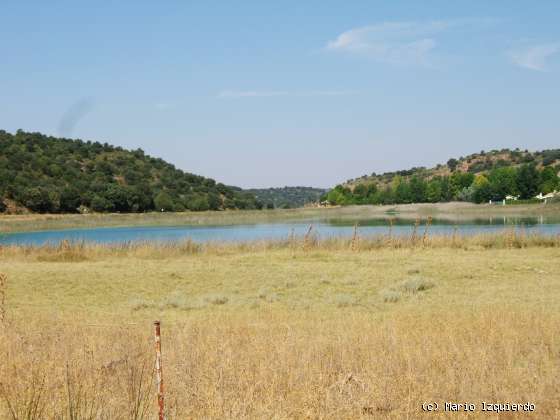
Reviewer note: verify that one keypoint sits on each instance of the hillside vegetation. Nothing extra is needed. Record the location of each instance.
(45, 174)
(476, 178)
(287, 197)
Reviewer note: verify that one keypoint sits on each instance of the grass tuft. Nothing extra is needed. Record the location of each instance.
(416, 285)
(345, 300)
(390, 296)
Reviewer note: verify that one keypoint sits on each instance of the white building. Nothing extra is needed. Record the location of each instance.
(542, 196)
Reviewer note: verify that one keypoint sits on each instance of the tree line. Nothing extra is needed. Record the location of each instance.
(287, 197)
(524, 181)
(54, 175)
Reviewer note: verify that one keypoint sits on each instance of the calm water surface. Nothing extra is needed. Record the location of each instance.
(323, 228)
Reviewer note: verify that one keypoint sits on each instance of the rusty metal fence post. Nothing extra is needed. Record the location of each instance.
(159, 375)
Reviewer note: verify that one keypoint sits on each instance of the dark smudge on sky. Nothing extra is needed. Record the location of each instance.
(73, 115)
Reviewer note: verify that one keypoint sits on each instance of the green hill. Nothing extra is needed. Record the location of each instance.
(46, 174)
(479, 177)
(287, 197)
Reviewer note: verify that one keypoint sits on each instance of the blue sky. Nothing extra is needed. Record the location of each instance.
(262, 94)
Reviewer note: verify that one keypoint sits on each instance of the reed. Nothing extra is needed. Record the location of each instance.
(354, 243)
(3, 298)
(307, 239)
(414, 235)
(426, 229)
(81, 251)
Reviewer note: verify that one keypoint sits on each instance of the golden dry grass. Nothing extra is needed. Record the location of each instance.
(268, 330)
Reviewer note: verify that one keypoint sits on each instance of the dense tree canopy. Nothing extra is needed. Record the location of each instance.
(287, 197)
(53, 175)
(523, 181)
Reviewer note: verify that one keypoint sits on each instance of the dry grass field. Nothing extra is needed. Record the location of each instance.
(334, 330)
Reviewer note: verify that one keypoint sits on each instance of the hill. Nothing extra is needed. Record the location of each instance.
(287, 197)
(46, 174)
(479, 177)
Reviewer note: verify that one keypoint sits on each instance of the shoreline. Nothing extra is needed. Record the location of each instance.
(453, 211)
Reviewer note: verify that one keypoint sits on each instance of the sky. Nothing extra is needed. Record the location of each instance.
(268, 94)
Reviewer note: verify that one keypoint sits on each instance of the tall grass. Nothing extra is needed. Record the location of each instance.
(65, 373)
(285, 366)
(83, 251)
(268, 329)
(3, 297)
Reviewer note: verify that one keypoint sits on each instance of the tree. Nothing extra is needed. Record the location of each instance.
(467, 194)
(41, 199)
(214, 201)
(452, 164)
(140, 198)
(362, 194)
(70, 200)
(100, 204)
(459, 181)
(339, 195)
(401, 190)
(445, 186)
(549, 180)
(359, 194)
(503, 182)
(199, 203)
(527, 181)
(482, 189)
(163, 202)
(417, 189)
(118, 196)
(433, 191)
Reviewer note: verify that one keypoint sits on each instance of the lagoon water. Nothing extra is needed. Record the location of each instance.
(324, 228)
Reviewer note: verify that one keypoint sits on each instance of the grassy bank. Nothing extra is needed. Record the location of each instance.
(292, 329)
(447, 211)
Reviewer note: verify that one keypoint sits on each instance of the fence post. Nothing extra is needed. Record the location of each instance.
(159, 377)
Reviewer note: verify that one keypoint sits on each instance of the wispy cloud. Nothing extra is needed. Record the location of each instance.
(534, 57)
(398, 42)
(272, 93)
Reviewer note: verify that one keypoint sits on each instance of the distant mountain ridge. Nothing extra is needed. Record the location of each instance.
(287, 197)
(478, 177)
(47, 174)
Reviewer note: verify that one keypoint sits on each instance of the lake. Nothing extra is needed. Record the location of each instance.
(324, 228)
